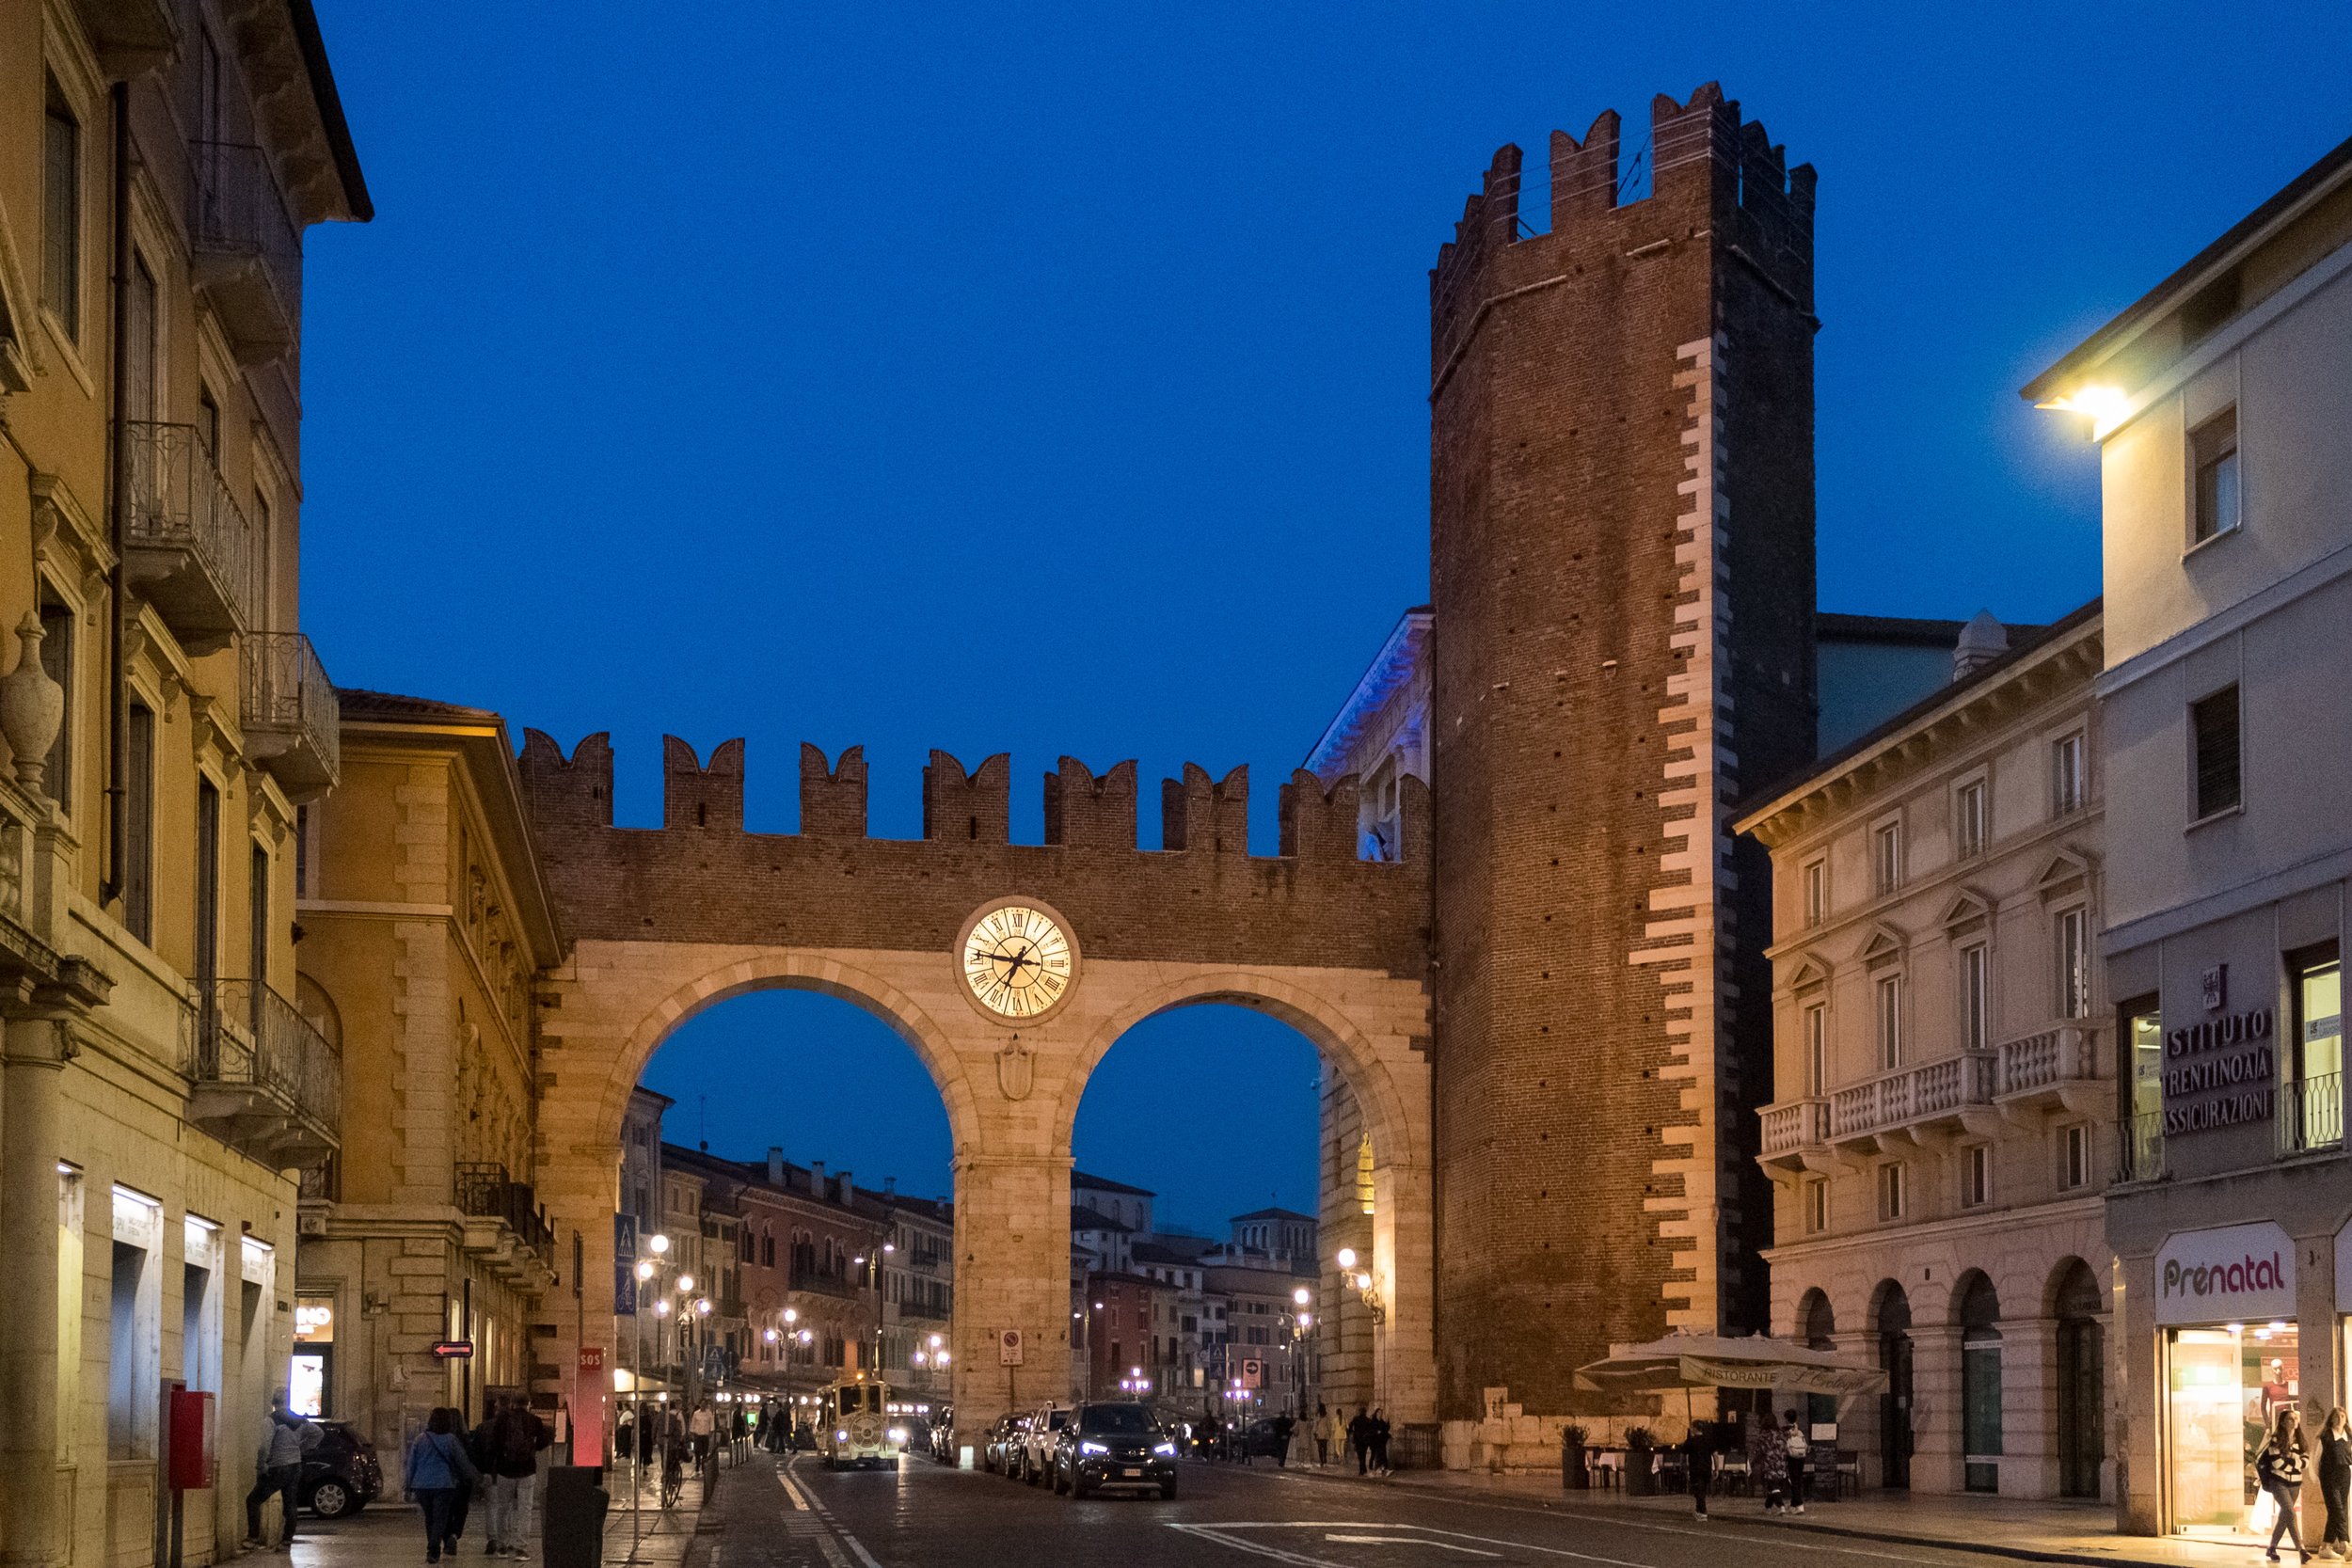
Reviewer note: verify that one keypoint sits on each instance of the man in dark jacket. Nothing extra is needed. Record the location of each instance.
(515, 1438)
(1359, 1439)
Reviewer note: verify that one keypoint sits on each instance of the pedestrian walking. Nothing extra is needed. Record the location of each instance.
(1325, 1429)
(1378, 1436)
(285, 1439)
(2279, 1464)
(1767, 1460)
(1359, 1440)
(701, 1426)
(516, 1436)
(437, 1470)
(1285, 1427)
(1798, 1449)
(2335, 1484)
(625, 1437)
(1698, 1462)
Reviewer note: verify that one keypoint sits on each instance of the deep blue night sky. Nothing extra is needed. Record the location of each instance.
(762, 369)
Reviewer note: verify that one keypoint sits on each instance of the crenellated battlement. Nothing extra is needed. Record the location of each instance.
(1707, 171)
(973, 806)
(834, 884)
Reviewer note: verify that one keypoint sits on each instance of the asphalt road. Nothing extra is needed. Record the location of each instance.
(924, 1516)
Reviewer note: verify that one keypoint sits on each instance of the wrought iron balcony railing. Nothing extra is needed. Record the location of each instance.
(2310, 1114)
(485, 1191)
(192, 549)
(289, 715)
(2139, 1148)
(264, 1080)
(247, 247)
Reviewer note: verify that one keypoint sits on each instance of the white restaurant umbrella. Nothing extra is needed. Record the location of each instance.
(1687, 1361)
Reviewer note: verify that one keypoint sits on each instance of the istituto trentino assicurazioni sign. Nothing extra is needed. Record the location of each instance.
(2221, 1073)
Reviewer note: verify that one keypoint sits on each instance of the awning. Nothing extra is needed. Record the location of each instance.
(1722, 1361)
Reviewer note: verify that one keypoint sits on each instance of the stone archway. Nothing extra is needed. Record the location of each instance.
(667, 921)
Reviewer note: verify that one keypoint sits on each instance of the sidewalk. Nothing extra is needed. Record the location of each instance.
(389, 1533)
(2077, 1532)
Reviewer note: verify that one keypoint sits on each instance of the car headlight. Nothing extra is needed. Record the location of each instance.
(840, 1435)
(1092, 1448)
(897, 1434)
(1168, 1449)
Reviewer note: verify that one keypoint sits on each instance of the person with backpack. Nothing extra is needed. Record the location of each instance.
(1798, 1450)
(439, 1470)
(2279, 1464)
(515, 1435)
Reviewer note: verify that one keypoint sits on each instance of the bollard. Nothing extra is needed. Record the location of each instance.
(571, 1529)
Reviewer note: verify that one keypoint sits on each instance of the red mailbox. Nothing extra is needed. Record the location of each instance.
(192, 1455)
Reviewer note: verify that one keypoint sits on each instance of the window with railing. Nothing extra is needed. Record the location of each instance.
(2311, 1113)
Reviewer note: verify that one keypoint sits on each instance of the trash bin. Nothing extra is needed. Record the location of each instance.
(571, 1534)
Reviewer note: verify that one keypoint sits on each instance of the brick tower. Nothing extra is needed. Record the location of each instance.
(1621, 541)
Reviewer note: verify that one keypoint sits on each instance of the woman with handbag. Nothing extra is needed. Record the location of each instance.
(2279, 1464)
(438, 1472)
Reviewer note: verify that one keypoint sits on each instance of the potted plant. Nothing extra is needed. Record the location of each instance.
(1641, 1464)
(1574, 1460)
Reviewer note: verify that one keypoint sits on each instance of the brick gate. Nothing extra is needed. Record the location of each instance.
(670, 920)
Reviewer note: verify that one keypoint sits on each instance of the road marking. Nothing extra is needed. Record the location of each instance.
(1406, 1540)
(1254, 1548)
(792, 1492)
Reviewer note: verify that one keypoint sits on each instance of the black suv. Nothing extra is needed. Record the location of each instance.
(1113, 1444)
(340, 1477)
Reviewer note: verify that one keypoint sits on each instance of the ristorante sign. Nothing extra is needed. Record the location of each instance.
(2236, 1274)
(2221, 1073)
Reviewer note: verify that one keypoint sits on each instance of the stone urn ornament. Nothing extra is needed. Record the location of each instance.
(32, 707)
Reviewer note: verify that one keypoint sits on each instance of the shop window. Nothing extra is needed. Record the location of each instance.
(1894, 1190)
(1972, 817)
(1980, 1385)
(2213, 455)
(2223, 1386)
(2312, 1108)
(2075, 1155)
(1976, 1176)
(2069, 779)
(2213, 724)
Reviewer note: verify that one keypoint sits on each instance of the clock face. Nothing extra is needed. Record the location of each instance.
(1018, 962)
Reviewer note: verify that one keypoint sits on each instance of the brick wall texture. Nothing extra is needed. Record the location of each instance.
(1621, 536)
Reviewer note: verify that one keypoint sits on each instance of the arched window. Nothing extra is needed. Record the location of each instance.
(1817, 1327)
(1980, 1383)
(1891, 1315)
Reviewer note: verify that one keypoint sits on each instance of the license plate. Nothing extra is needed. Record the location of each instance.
(1131, 1472)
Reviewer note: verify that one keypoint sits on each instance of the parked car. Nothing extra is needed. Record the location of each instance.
(1037, 1441)
(1267, 1437)
(1003, 1440)
(1109, 1444)
(341, 1477)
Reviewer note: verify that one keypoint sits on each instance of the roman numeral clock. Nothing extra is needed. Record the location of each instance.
(1018, 960)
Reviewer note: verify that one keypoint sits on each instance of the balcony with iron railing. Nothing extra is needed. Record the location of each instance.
(291, 720)
(245, 248)
(2139, 1148)
(189, 549)
(262, 1079)
(2310, 1114)
(504, 1223)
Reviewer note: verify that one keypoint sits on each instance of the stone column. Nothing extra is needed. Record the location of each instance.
(29, 1144)
(1012, 1272)
(1935, 1409)
(1403, 1262)
(2136, 1354)
(2030, 1389)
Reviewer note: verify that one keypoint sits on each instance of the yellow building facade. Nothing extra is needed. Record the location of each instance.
(424, 925)
(164, 718)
